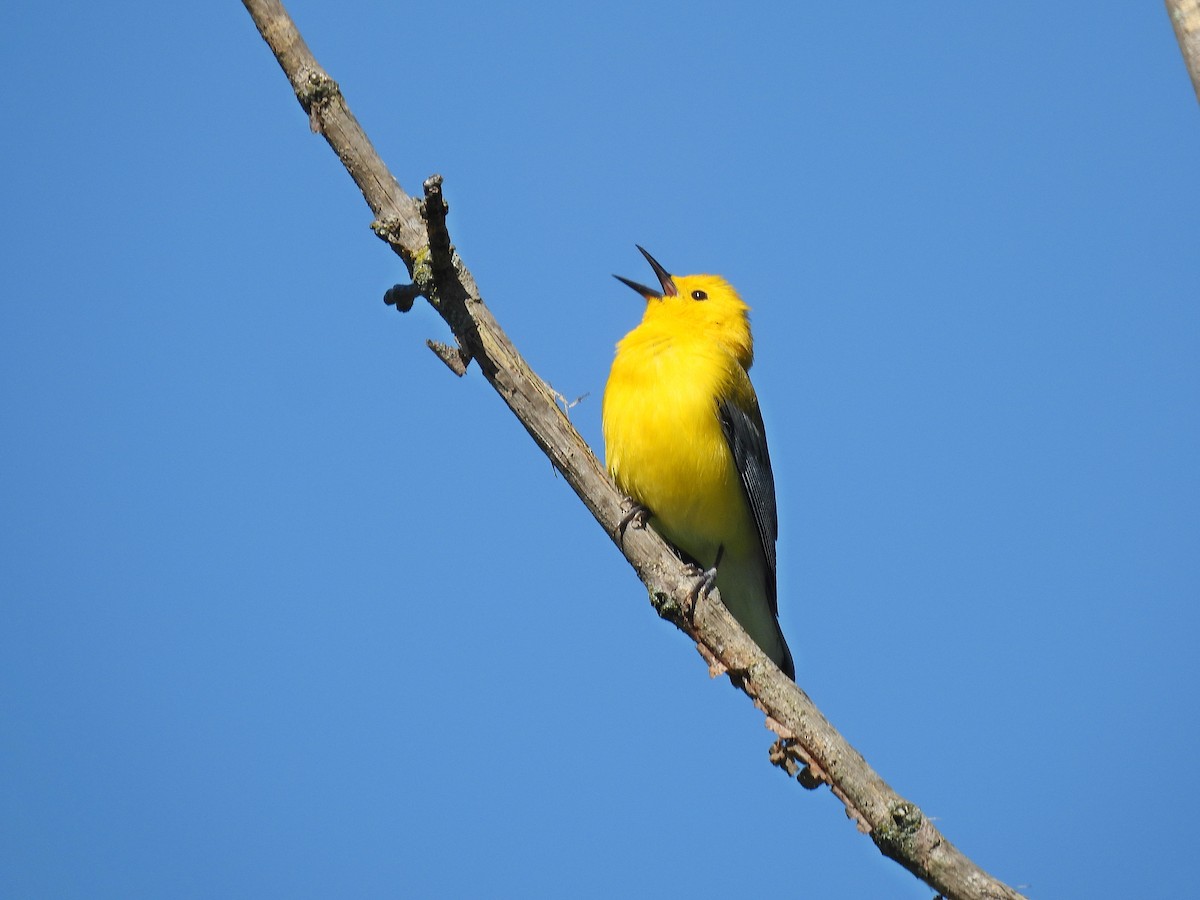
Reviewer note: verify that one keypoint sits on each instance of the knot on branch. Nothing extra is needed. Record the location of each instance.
(679, 606)
(669, 607)
(316, 91)
(897, 835)
(394, 230)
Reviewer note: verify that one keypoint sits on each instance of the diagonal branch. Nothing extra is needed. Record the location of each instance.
(808, 745)
(1185, 19)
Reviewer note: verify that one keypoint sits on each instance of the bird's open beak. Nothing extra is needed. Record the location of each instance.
(664, 278)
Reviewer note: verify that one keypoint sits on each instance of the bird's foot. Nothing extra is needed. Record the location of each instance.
(637, 514)
(704, 585)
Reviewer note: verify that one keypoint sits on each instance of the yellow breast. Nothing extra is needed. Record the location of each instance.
(664, 444)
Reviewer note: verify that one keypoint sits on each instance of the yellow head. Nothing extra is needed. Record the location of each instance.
(703, 307)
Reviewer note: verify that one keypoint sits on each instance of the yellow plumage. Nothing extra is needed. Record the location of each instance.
(683, 437)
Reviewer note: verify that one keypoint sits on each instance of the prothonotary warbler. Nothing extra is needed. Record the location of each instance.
(683, 437)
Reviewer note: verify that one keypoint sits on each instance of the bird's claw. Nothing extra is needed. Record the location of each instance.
(707, 582)
(704, 585)
(637, 514)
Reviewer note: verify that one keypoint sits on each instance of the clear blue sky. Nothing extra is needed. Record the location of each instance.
(286, 609)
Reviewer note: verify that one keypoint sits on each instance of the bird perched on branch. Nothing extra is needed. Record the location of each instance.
(684, 438)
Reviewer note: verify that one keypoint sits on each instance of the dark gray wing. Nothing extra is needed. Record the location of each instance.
(747, 441)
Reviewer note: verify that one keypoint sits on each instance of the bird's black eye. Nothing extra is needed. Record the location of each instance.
(699, 295)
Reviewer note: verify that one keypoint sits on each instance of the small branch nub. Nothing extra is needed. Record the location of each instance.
(434, 209)
(402, 296)
(454, 357)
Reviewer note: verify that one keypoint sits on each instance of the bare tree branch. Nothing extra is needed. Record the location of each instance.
(808, 746)
(1185, 19)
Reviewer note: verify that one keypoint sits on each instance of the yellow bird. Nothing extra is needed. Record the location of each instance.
(683, 437)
